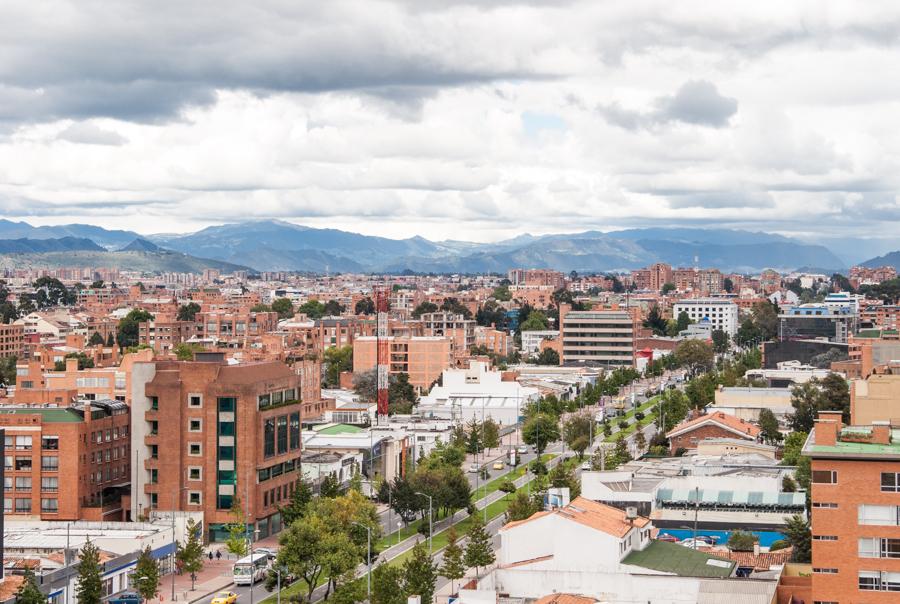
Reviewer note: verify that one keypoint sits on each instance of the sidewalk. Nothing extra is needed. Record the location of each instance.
(215, 576)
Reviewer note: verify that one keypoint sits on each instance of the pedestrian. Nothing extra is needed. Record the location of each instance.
(218, 554)
(210, 555)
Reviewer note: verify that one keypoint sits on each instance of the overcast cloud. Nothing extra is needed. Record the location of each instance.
(468, 120)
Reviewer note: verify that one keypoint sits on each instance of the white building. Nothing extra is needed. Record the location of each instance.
(722, 314)
(531, 340)
(838, 301)
(475, 392)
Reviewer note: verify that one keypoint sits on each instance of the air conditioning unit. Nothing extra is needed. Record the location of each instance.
(631, 513)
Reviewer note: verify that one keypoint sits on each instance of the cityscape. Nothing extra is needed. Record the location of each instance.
(396, 302)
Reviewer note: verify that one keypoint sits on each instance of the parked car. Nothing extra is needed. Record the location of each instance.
(693, 543)
(126, 597)
(522, 450)
(667, 537)
(498, 465)
(473, 468)
(586, 466)
(225, 597)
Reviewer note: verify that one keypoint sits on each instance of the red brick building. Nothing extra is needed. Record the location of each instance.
(208, 433)
(687, 434)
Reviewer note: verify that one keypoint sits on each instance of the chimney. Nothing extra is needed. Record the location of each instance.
(881, 433)
(827, 427)
(71, 365)
(756, 548)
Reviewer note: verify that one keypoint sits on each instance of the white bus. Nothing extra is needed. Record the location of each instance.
(250, 569)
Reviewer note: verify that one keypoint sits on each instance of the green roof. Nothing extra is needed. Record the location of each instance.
(680, 560)
(340, 429)
(49, 415)
(844, 447)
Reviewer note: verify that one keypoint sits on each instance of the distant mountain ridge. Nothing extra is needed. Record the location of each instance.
(31, 246)
(279, 245)
(890, 259)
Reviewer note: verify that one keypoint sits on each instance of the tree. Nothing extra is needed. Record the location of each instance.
(682, 321)
(765, 317)
(29, 592)
(798, 535)
(720, 341)
(89, 585)
(769, 425)
(697, 355)
(490, 433)
(109, 340)
(835, 395)
(285, 308)
(536, 321)
(747, 333)
(423, 309)
(96, 339)
(502, 293)
(146, 575)
(741, 541)
(474, 442)
(236, 542)
(366, 306)
(805, 401)
(655, 321)
(667, 288)
(333, 308)
(640, 441)
(420, 573)
(576, 432)
(728, 285)
(540, 430)
(520, 507)
(479, 549)
(317, 547)
(128, 329)
(788, 484)
(84, 361)
(188, 312)
(296, 506)
(453, 567)
(404, 500)
(548, 356)
(793, 447)
(387, 585)
(337, 361)
(562, 476)
(190, 555)
(401, 394)
(260, 308)
(508, 487)
(50, 291)
(330, 487)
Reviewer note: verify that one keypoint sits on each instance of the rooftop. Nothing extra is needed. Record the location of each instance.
(680, 560)
(340, 429)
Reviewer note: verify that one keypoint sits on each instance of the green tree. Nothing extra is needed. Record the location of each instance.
(490, 432)
(387, 585)
(805, 401)
(190, 555)
(479, 549)
(640, 441)
(728, 285)
(236, 542)
(696, 355)
(423, 309)
(330, 487)
(401, 394)
(314, 548)
(667, 288)
(793, 447)
(835, 395)
(188, 312)
(576, 432)
(536, 321)
(260, 308)
(366, 306)
(109, 340)
(84, 361)
(129, 326)
(96, 339)
(404, 500)
(548, 356)
(508, 487)
(747, 333)
(185, 350)
(337, 361)
(765, 317)
(89, 584)
(720, 341)
(474, 442)
(540, 430)
(788, 485)
(453, 567)
(741, 541)
(798, 535)
(655, 321)
(146, 575)
(562, 476)
(285, 308)
(420, 573)
(333, 308)
(296, 505)
(29, 592)
(520, 507)
(769, 425)
(502, 294)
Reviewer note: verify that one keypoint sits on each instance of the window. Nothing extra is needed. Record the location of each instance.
(825, 571)
(154, 476)
(282, 434)
(890, 482)
(195, 473)
(23, 463)
(295, 431)
(194, 498)
(7, 483)
(879, 515)
(154, 500)
(154, 403)
(264, 400)
(50, 506)
(22, 443)
(23, 483)
(194, 449)
(154, 428)
(873, 547)
(50, 463)
(195, 401)
(868, 548)
(825, 538)
(50, 443)
(825, 505)
(50, 484)
(23, 506)
(269, 437)
(8, 462)
(824, 476)
(7, 506)
(154, 451)
(195, 425)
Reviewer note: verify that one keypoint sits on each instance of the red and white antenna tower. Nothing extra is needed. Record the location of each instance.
(383, 352)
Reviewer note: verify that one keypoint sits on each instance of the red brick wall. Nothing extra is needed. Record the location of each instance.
(689, 440)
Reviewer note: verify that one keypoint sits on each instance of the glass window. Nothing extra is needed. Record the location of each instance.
(226, 452)
(194, 497)
(295, 431)
(195, 473)
(824, 476)
(890, 548)
(226, 404)
(23, 443)
(23, 506)
(195, 425)
(8, 506)
(195, 400)
(23, 483)
(264, 401)
(868, 547)
(50, 505)
(889, 482)
(883, 515)
(50, 443)
(269, 437)
(50, 483)
(869, 580)
(23, 463)
(194, 449)
(282, 434)
(50, 462)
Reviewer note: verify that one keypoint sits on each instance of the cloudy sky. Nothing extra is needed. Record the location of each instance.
(477, 120)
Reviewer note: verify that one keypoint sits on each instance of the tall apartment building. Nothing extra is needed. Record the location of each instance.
(69, 463)
(537, 276)
(460, 330)
(163, 334)
(653, 277)
(12, 340)
(234, 325)
(811, 321)
(206, 433)
(855, 511)
(602, 338)
(721, 314)
(422, 358)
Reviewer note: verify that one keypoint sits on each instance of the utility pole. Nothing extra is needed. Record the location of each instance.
(430, 523)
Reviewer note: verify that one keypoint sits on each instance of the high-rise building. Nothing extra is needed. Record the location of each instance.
(720, 314)
(603, 338)
(421, 358)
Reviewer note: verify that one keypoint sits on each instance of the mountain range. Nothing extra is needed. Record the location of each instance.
(279, 245)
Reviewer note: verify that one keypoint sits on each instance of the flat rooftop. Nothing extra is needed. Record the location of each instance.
(854, 448)
(680, 560)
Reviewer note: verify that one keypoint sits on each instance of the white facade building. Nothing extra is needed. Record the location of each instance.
(475, 392)
(722, 314)
(531, 340)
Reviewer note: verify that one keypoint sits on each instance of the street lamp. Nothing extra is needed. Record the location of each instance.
(430, 523)
(368, 560)
(278, 570)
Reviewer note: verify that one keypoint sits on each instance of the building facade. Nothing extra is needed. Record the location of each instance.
(603, 338)
(721, 314)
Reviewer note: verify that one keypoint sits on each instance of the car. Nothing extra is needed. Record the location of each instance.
(126, 597)
(498, 465)
(586, 466)
(473, 468)
(522, 450)
(667, 537)
(268, 552)
(224, 597)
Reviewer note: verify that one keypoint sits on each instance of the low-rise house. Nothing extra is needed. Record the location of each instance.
(688, 434)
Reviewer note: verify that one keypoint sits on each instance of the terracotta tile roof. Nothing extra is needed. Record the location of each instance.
(729, 422)
(761, 561)
(592, 514)
(565, 599)
(529, 561)
(10, 586)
